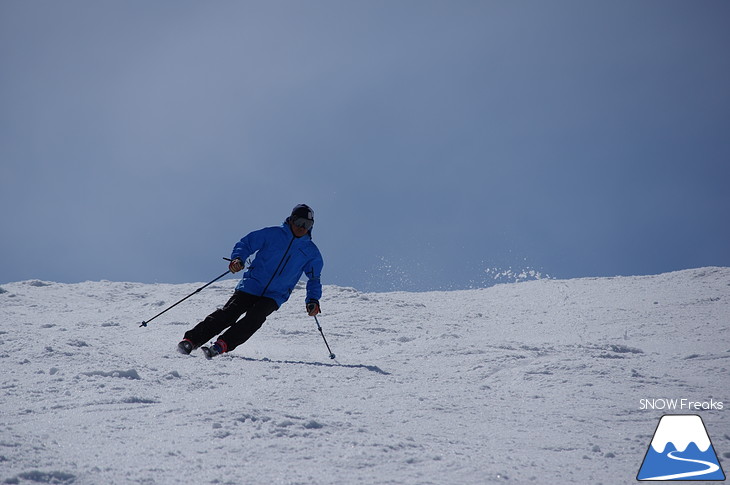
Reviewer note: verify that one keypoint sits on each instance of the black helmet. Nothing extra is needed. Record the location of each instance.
(302, 216)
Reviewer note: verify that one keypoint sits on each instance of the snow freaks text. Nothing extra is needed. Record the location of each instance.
(664, 404)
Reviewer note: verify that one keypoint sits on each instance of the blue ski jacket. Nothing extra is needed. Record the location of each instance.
(280, 259)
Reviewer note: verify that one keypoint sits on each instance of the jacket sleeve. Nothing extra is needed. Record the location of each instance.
(249, 244)
(313, 270)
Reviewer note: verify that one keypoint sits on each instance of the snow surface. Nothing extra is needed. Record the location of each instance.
(533, 382)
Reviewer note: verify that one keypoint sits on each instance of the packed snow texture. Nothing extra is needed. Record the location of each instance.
(533, 382)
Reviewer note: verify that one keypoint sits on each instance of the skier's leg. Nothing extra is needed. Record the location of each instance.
(220, 319)
(243, 329)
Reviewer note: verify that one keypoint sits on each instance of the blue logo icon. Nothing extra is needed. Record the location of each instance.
(681, 450)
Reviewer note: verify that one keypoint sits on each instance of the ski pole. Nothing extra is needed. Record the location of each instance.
(144, 324)
(332, 356)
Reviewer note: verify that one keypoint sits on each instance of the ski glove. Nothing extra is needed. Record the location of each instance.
(235, 266)
(313, 308)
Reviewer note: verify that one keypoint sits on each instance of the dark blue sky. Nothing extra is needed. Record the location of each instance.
(436, 141)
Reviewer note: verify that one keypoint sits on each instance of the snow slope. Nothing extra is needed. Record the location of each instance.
(534, 382)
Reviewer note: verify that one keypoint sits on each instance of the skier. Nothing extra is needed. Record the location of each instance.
(283, 253)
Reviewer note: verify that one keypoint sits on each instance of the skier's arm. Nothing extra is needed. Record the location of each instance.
(248, 245)
(314, 286)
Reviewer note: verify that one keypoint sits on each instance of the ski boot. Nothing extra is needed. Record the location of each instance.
(217, 348)
(185, 347)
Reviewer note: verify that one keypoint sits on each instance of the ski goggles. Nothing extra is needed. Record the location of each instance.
(303, 223)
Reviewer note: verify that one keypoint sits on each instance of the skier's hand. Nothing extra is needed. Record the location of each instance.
(313, 308)
(235, 266)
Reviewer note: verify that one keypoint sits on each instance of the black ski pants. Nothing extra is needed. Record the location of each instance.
(256, 308)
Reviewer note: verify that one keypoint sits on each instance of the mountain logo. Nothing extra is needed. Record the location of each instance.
(681, 450)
